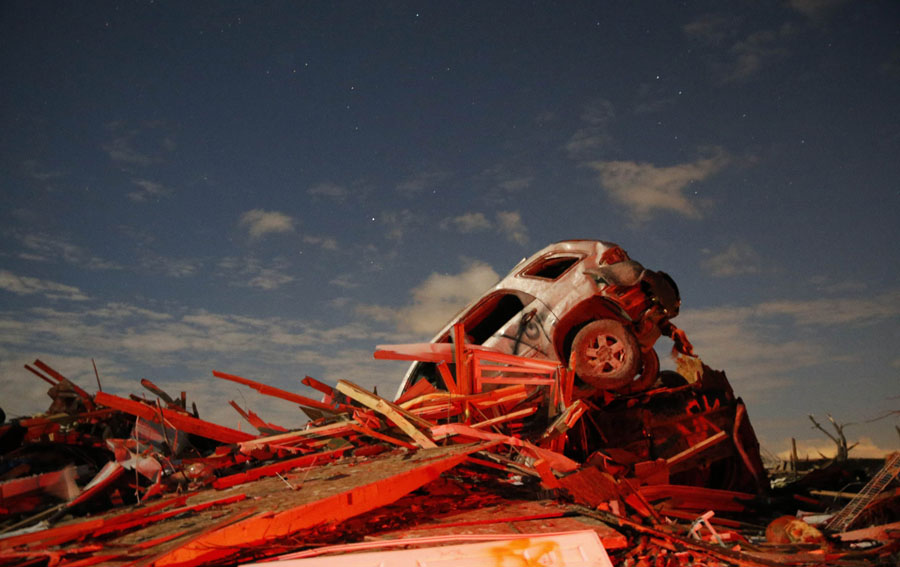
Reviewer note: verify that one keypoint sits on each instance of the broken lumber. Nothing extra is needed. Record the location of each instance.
(283, 394)
(406, 421)
(177, 420)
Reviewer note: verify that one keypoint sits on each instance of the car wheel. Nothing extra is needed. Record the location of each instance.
(606, 354)
(649, 374)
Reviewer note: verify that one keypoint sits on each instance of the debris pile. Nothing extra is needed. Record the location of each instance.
(502, 462)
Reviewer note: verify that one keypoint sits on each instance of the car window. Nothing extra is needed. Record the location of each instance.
(551, 267)
(490, 315)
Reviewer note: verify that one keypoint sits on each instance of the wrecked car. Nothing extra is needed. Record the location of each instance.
(582, 302)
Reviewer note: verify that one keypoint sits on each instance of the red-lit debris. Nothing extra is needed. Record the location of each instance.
(503, 461)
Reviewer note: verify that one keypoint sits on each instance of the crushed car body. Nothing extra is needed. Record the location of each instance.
(580, 299)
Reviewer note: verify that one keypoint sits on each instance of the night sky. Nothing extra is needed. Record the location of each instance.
(272, 189)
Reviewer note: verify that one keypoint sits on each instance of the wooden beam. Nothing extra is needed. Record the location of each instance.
(278, 467)
(86, 398)
(316, 385)
(406, 421)
(256, 421)
(463, 379)
(177, 420)
(696, 449)
(283, 394)
(525, 412)
(378, 488)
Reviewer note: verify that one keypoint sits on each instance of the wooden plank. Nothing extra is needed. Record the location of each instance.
(146, 519)
(85, 397)
(303, 437)
(283, 394)
(39, 375)
(425, 352)
(177, 420)
(316, 385)
(445, 410)
(460, 358)
(382, 437)
(421, 352)
(336, 502)
(482, 399)
(256, 421)
(198, 533)
(565, 420)
(504, 418)
(447, 377)
(420, 388)
(279, 467)
(406, 421)
(557, 461)
(76, 530)
(158, 391)
(696, 449)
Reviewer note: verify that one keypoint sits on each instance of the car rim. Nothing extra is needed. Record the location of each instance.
(605, 353)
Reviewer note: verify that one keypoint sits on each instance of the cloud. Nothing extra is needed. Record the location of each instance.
(510, 225)
(712, 28)
(149, 190)
(119, 149)
(269, 279)
(751, 54)
(324, 242)
(441, 296)
(34, 169)
(593, 137)
(746, 55)
(398, 223)
(24, 285)
(766, 345)
(436, 300)
(501, 182)
(259, 222)
(421, 182)
(507, 224)
(174, 267)
(835, 311)
(251, 272)
(138, 146)
(737, 259)
(468, 222)
(735, 339)
(645, 188)
(153, 337)
(816, 10)
(177, 349)
(45, 248)
(346, 281)
(328, 191)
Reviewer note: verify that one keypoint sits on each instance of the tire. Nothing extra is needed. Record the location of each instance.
(606, 354)
(649, 374)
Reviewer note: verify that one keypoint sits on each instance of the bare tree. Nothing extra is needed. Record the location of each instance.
(843, 451)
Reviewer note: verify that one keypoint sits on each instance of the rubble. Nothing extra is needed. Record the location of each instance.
(490, 458)
(667, 476)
